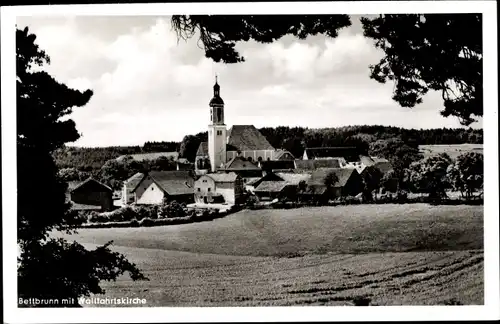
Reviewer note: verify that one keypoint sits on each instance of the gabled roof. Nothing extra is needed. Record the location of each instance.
(277, 165)
(202, 149)
(318, 176)
(240, 163)
(271, 186)
(309, 165)
(349, 153)
(133, 181)
(73, 184)
(293, 178)
(281, 152)
(150, 156)
(247, 138)
(223, 177)
(172, 182)
(91, 181)
(251, 181)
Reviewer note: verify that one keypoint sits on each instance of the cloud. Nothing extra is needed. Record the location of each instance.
(148, 85)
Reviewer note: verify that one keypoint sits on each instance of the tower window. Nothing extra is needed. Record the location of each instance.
(219, 132)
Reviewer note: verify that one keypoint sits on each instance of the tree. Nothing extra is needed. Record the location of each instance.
(466, 174)
(48, 267)
(219, 34)
(441, 52)
(399, 153)
(372, 177)
(330, 180)
(72, 174)
(190, 144)
(430, 175)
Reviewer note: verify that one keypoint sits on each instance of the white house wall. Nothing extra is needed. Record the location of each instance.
(152, 195)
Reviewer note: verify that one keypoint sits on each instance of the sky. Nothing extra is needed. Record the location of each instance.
(150, 86)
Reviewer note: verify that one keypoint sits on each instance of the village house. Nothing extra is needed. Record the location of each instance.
(90, 195)
(349, 183)
(244, 168)
(219, 188)
(280, 185)
(128, 195)
(157, 187)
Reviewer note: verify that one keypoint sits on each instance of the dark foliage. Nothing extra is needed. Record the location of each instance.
(49, 268)
(441, 52)
(161, 147)
(190, 144)
(219, 34)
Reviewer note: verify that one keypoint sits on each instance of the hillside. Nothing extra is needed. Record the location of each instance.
(399, 255)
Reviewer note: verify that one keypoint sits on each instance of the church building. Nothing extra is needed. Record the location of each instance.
(240, 142)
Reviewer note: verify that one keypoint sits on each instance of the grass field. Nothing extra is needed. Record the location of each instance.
(394, 254)
(453, 150)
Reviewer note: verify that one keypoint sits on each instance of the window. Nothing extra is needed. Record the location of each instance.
(152, 188)
(219, 132)
(199, 189)
(209, 189)
(204, 180)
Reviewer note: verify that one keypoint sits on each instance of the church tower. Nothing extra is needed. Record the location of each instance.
(217, 131)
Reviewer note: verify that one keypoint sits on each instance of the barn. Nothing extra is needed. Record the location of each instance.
(90, 195)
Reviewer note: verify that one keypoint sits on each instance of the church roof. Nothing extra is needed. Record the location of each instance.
(247, 138)
(216, 100)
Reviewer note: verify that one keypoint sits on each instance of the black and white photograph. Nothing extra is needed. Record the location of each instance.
(220, 161)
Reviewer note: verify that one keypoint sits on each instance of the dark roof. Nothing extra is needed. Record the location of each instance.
(216, 100)
(293, 178)
(277, 165)
(240, 163)
(173, 182)
(247, 138)
(318, 176)
(151, 156)
(309, 165)
(90, 181)
(271, 186)
(223, 177)
(133, 181)
(349, 153)
(202, 149)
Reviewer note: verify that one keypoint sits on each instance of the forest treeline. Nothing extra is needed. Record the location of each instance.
(293, 139)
